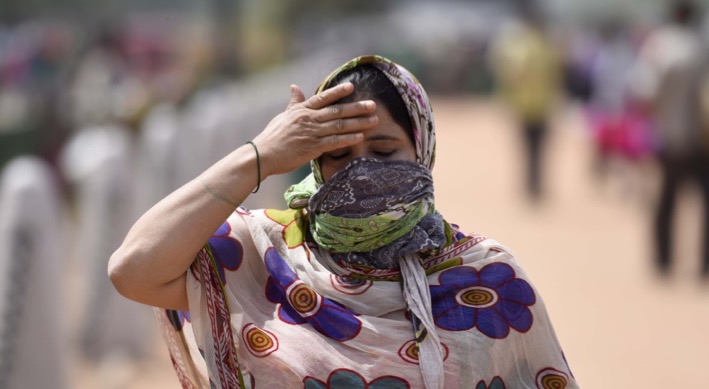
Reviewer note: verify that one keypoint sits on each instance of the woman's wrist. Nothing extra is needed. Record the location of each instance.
(258, 167)
(216, 194)
(234, 177)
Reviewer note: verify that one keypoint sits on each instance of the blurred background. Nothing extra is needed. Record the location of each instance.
(574, 132)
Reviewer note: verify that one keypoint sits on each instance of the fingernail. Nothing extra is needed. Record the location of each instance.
(369, 104)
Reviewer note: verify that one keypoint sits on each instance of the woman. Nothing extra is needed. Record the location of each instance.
(361, 283)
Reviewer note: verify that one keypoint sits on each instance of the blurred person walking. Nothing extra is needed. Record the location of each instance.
(622, 133)
(528, 70)
(667, 79)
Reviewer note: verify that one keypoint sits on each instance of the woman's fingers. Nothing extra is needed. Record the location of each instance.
(334, 118)
(334, 142)
(340, 126)
(310, 127)
(346, 110)
(329, 96)
(337, 127)
(296, 96)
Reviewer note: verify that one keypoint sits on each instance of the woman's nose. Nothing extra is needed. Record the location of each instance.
(357, 151)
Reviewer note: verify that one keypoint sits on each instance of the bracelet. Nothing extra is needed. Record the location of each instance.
(258, 166)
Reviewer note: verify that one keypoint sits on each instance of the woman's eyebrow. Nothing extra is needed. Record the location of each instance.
(382, 137)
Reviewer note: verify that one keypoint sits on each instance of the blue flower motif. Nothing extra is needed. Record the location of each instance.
(492, 300)
(348, 379)
(496, 383)
(300, 304)
(228, 252)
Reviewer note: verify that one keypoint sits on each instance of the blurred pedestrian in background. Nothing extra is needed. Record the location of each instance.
(670, 71)
(527, 68)
(106, 88)
(35, 62)
(622, 133)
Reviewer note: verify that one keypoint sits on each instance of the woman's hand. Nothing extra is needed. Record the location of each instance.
(309, 128)
(150, 266)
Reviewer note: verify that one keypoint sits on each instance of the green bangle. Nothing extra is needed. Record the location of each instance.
(258, 166)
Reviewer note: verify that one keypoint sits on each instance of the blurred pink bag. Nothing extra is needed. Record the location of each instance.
(628, 134)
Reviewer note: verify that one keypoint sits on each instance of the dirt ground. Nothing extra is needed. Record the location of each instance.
(586, 246)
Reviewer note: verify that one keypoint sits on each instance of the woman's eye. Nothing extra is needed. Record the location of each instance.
(337, 156)
(385, 153)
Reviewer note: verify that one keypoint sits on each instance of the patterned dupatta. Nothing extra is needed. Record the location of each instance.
(184, 352)
(296, 318)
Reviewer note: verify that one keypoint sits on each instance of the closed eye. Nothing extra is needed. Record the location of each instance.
(385, 153)
(337, 156)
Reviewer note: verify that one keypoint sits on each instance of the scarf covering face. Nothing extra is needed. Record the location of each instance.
(371, 213)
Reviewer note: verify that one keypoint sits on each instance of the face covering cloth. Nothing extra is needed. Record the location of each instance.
(371, 213)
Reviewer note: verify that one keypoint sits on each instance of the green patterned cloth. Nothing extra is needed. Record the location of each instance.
(336, 233)
(381, 210)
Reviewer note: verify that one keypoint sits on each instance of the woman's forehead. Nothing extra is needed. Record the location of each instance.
(386, 132)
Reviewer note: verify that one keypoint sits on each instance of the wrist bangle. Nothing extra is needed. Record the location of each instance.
(258, 166)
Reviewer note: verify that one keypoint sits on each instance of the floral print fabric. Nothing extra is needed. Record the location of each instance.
(298, 324)
(348, 379)
(492, 300)
(299, 304)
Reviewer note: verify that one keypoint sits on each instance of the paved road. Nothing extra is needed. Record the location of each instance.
(586, 247)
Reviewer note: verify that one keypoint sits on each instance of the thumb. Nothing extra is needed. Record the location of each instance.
(296, 95)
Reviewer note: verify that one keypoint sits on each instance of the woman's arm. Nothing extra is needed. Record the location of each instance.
(151, 264)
